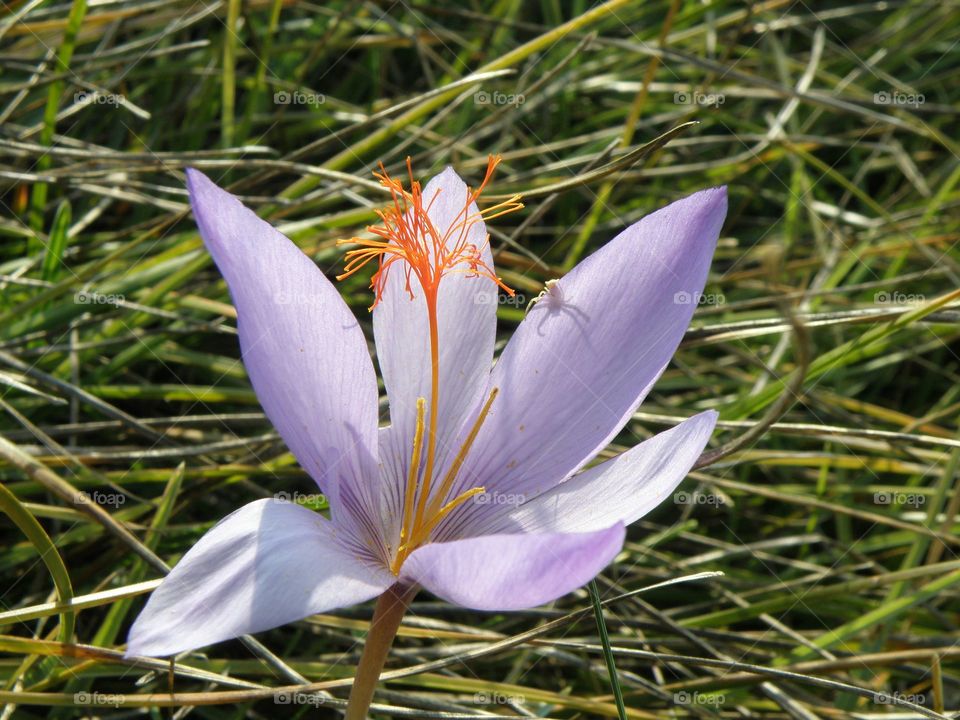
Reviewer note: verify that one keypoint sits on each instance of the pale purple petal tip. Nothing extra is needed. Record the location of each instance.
(589, 351)
(512, 572)
(623, 489)
(302, 346)
(264, 565)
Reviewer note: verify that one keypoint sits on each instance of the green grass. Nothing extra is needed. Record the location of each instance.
(824, 548)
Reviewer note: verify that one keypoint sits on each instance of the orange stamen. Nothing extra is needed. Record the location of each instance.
(408, 235)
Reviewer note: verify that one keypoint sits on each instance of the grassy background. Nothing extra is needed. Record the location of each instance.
(828, 310)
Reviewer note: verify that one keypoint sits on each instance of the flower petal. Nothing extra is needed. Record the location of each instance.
(264, 565)
(586, 354)
(623, 489)
(512, 572)
(302, 346)
(466, 315)
(394, 464)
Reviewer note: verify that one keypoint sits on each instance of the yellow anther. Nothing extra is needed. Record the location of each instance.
(462, 455)
(414, 469)
(419, 517)
(445, 510)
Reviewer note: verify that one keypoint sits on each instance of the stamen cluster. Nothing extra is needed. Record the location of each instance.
(409, 236)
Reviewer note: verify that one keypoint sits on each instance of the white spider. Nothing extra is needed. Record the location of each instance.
(550, 291)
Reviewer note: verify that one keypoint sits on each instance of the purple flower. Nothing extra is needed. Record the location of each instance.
(476, 490)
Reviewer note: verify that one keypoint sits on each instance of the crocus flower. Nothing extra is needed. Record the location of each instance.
(476, 491)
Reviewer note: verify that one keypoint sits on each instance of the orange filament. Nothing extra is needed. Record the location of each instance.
(409, 236)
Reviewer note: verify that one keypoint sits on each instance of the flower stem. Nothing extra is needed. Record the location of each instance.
(390, 609)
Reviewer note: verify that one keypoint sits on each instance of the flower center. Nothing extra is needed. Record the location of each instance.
(420, 514)
(426, 254)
